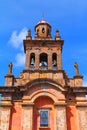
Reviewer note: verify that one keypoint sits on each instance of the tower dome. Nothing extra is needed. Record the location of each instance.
(43, 30)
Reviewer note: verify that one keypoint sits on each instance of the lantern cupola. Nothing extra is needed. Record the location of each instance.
(43, 30)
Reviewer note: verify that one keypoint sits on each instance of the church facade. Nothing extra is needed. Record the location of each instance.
(43, 97)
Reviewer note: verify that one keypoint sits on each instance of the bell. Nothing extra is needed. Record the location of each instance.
(32, 61)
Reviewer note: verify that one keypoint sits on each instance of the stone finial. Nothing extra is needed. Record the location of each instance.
(29, 32)
(57, 36)
(28, 37)
(10, 68)
(76, 68)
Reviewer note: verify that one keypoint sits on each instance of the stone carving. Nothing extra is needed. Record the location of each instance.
(37, 48)
(17, 95)
(10, 68)
(76, 68)
(29, 48)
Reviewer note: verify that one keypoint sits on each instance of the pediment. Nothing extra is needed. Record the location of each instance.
(45, 81)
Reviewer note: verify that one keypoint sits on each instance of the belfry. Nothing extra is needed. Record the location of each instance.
(43, 97)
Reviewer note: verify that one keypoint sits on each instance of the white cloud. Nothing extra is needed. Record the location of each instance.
(16, 39)
(84, 83)
(20, 60)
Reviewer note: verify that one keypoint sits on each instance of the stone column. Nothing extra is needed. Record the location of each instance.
(61, 123)
(37, 60)
(27, 60)
(50, 61)
(59, 60)
(27, 117)
(5, 112)
(82, 113)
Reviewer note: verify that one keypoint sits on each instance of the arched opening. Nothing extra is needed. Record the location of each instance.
(43, 30)
(43, 113)
(54, 60)
(43, 61)
(32, 59)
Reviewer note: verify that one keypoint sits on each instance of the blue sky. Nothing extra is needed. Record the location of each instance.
(68, 16)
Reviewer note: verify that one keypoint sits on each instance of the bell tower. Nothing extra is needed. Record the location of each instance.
(43, 53)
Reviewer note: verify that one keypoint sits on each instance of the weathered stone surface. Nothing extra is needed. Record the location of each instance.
(27, 118)
(4, 118)
(82, 111)
(61, 122)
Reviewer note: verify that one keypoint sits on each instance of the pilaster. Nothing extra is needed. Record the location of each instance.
(82, 113)
(27, 117)
(16, 115)
(27, 62)
(59, 60)
(5, 114)
(72, 116)
(61, 122)
(50, 61)
(36, 60)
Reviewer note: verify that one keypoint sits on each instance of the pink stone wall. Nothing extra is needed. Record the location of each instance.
(16, 117)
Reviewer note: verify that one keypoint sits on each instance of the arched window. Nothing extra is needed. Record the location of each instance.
(54, 60)
(32, 59)
(43, 60)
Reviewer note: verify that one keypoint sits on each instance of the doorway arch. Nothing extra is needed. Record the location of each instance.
(43, 113)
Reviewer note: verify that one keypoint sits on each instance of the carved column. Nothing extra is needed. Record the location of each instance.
(5, 112)
(50, 61)
(27, 62)
(59, 60)
(61, 123)
(27, 117)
